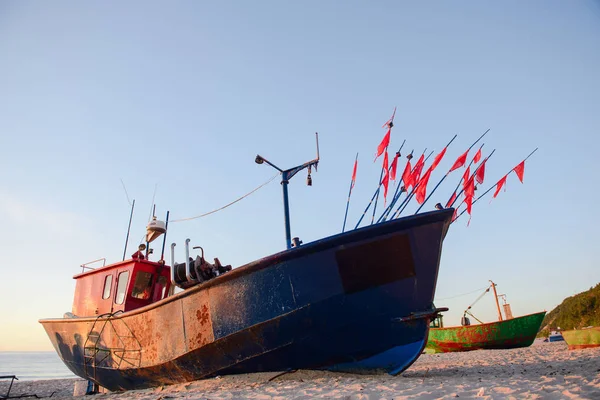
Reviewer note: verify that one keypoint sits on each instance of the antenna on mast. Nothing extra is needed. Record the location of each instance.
(128, 229)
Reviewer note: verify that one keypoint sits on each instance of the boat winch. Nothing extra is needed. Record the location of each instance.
(194, 271)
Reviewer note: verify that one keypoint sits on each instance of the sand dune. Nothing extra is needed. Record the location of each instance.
(542, 371)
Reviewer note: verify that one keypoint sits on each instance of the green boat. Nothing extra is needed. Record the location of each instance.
(582, 338)
(506, 333)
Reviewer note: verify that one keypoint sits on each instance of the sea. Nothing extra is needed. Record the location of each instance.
(33, 365)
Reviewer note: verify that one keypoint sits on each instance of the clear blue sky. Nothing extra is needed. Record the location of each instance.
(182, 96)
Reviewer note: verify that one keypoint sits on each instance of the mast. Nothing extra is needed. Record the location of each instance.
(286, 175)
(497, 303)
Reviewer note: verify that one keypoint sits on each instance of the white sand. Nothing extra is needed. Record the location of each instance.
(542, 371)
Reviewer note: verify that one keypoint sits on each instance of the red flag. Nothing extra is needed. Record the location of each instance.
(460, 161)
(455, 215)
(477, 156)
(386, 175)
(520, 170)
(466, 176)
(384, 144)
(499, 185)
(416, 174)
(391, 120)
(480, 173)
(451, 200)
(394, 167)
(354, 173)
(470, 188)
(422, 188)
(469, 203)
(437, 159)
(406, 175)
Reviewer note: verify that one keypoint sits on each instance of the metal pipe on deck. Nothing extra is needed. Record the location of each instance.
(188, 273)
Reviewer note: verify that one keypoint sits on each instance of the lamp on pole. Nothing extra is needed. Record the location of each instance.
(286, 175)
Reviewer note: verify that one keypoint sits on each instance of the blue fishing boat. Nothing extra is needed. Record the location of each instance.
(356, 301)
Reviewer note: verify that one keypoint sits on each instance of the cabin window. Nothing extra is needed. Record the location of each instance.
(162, 286)
(142, 286)
(107, 286)
(122, 287)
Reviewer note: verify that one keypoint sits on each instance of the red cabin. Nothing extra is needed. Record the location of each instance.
(123, 286)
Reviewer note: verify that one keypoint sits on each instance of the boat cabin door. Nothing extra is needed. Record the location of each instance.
(120, 291)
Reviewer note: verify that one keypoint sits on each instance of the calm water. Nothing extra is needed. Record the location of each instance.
(33, 365)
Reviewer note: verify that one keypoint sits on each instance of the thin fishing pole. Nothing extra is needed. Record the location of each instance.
(396, 196)
(476, 169)
(493, 186)
(439, 183)
(391, 207)
(377, 194)
(381, 176)
(469, 149)
(390, 124)
(410, 196)
(373, 198)
(460, 180)
(349, 194)
(463, 189)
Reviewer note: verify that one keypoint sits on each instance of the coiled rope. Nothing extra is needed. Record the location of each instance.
(226, 205)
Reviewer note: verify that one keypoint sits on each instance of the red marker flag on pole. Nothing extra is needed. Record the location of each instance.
(416, 174)
(469, 203)
(437, 159)
(451, 200)
(520, 170)
(477, 156)
(470, 188)
(499, 185)
(394, 167)
(480, 173)
(390, 122)
(386, 176)
(406, 175)
(421, 191)
(384, 144)
(354, 173)
(466, 176)
(460, 161)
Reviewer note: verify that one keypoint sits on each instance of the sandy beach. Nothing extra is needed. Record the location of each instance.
(542, 371)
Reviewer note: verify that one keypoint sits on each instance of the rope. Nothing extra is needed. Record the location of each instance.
(227, 205)
(460, 295)
(479, 298)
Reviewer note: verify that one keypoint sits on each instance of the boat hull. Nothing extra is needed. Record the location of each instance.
(343, 303)
(582, 338)
(507, 334)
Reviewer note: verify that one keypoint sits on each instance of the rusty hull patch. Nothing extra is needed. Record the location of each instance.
(197, 320)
